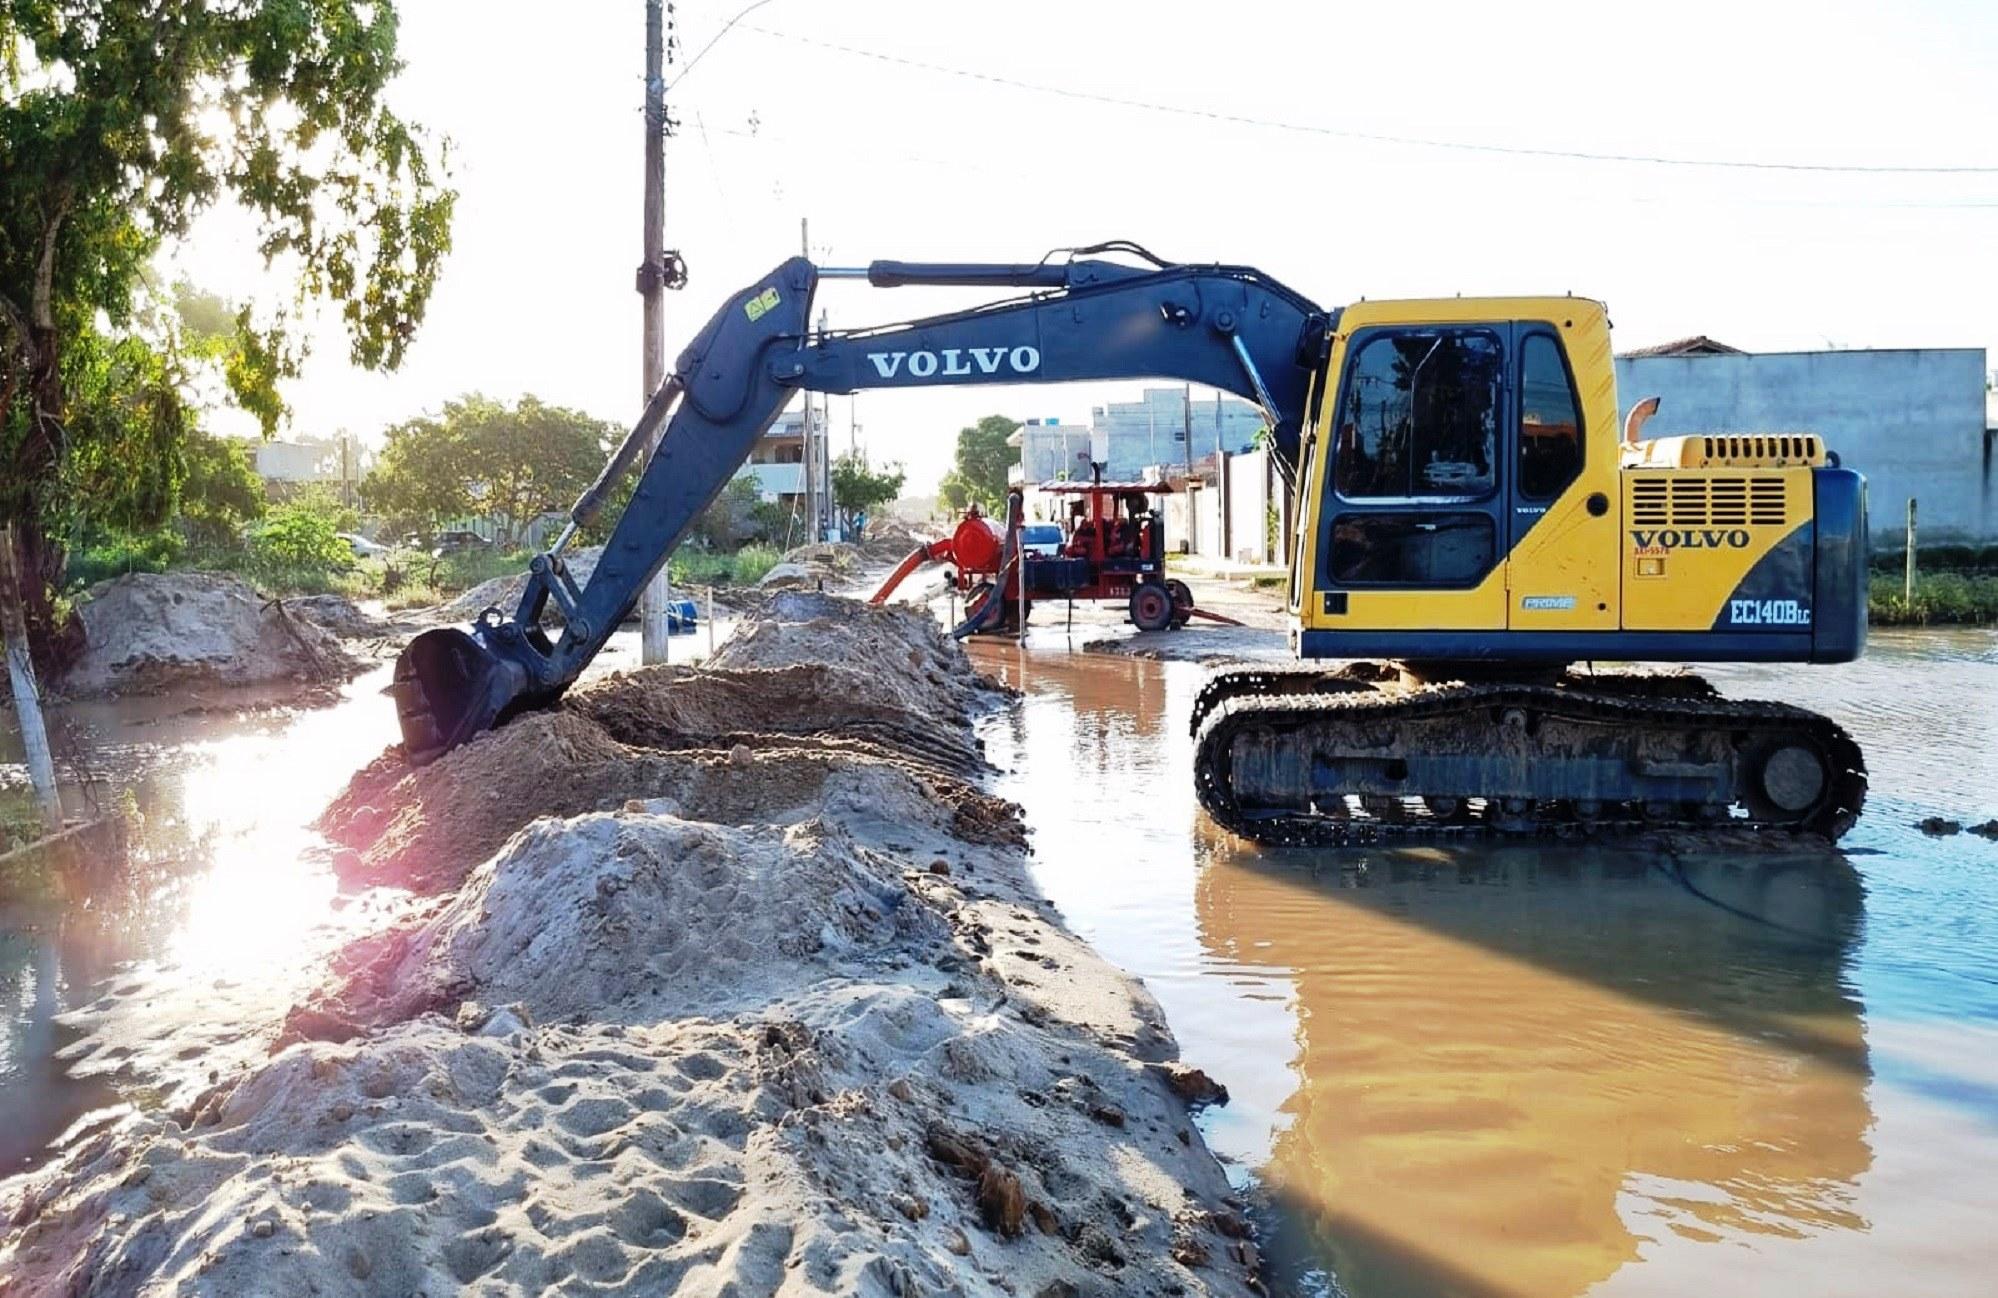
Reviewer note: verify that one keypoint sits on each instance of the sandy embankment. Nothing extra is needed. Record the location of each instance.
(775, 1009)
(148, 633)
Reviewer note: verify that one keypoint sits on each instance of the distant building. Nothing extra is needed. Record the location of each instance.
(777, 462)
(1050, 451)
(297, 461)
(1697, 345)
(1914, 421)
(1133, 436)
(1152, 430)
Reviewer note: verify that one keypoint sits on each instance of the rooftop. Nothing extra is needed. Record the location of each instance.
(1697, 345)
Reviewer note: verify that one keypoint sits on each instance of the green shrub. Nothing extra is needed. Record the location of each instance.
(743, 567)
(1941, 598)
(465, 569)
(296, 549)
(20, 819)
(116, 555)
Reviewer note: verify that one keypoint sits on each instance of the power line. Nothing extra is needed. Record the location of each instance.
(702, 53)
(1371, 137)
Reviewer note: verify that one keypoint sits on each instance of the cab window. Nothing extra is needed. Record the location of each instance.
(1419, 415)
(1550, 421)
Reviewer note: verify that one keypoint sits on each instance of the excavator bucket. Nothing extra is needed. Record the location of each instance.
(449, 687)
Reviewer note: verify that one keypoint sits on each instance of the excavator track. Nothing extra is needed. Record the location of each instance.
(1304, 755)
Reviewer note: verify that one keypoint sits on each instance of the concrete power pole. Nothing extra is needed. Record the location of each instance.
(654, 640)
(1221, 480)
(27, 694)
(810, 454)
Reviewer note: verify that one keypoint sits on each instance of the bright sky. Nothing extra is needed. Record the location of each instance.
(541, 103)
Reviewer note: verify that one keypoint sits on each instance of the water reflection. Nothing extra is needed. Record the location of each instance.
(1516, 1065)
(1548, 1069)
(229, 887)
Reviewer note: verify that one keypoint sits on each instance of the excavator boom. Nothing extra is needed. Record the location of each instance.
(1228, 327)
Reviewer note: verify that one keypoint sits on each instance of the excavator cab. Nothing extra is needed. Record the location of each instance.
(1474, 502)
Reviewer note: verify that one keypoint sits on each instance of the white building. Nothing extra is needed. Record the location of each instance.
(297, 461)
(1133, 436)
(777, 461)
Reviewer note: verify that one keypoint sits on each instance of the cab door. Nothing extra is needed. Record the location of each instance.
(1413, 522)
(1561, 507)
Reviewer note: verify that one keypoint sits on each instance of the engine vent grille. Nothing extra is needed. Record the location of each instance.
(1674, 501)
(1763, 448)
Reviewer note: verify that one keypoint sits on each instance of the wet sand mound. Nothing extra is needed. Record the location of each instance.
(644, 915)
(149, 632)
(768, 738)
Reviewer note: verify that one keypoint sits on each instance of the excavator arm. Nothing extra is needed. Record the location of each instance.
(1228, 327)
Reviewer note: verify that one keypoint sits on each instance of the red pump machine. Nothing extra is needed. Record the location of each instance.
(1112, 550)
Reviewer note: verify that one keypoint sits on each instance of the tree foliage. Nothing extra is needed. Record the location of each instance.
(858, 490)
(294, 536)
(220, 491)
(119, 125)
(482, 457)
(983, 457)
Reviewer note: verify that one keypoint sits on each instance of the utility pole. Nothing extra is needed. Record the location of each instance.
(1221, 480)
(811, 458)
(27, 695)
(1192, 508)
(653, 628)
(827, 506)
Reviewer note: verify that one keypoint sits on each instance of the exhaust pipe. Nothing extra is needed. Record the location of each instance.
(449, 686)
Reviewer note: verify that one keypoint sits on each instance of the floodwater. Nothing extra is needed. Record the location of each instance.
(1549, 1068)
(232, 901)
(1474, 1069)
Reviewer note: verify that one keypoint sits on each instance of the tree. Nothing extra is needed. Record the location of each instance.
(479, 456)
(983, 458)
(119, 124)
(220, 490)
(857, 490)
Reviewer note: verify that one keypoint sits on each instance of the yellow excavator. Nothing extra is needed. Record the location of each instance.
(1475, 529)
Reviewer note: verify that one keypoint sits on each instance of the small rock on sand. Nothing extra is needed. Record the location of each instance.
(1195, 1089)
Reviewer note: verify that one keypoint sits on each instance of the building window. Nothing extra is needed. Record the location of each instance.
(1550, 420)
(1419, 415)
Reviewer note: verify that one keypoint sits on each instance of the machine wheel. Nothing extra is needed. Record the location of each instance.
(1182, 601)
(1151, 607)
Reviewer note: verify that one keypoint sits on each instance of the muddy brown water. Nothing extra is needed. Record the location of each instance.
(1546, 1068)
(1473, 1069)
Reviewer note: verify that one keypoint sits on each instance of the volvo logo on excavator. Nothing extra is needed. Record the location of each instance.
(1689, 538)
(954, 362)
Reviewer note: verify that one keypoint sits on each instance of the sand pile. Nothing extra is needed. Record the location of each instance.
(902, 646)
(746, 1035)
(809, 567)
(771, 735)
(340, 616)
(149, 632)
